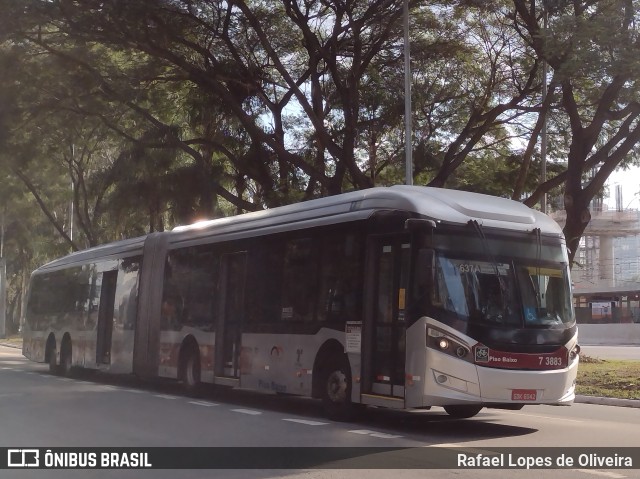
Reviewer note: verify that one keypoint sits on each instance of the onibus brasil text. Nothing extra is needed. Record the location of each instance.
(109, 460)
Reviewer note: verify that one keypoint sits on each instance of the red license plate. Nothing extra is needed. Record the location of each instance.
(524, 394)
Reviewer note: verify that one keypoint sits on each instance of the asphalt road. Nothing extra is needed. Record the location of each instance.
(41, 410)
(612, 352)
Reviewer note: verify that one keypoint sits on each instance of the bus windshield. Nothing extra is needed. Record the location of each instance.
(495, 282)
(485, 292)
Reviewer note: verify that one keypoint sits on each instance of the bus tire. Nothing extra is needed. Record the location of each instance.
(336, 389)
(190, 372)
(64, 369)
(52, 360)
(462, 412)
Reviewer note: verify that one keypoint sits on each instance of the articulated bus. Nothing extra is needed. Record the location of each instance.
(402, 297)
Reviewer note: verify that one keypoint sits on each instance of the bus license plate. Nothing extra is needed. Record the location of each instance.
(524, 395)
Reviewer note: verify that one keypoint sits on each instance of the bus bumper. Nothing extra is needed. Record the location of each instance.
(449, 382)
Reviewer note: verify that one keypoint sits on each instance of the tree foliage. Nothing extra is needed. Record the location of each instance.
(150, 113)
(593, 49)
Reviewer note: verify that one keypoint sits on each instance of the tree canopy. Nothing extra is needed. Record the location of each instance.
(130, 117)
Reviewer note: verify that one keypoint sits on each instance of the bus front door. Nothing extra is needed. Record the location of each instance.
(229, 330)
(384, 330)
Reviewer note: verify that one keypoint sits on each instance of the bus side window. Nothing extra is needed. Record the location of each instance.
(340, 292)
(300, 280)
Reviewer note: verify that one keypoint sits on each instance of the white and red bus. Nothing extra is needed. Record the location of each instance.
(402, 297)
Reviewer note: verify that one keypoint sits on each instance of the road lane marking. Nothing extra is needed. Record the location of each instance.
(251, 412)
(165, 396)
(9, 369)
(307, 422)
(514, 413)
(381, 435)
(463, 448)
(203, 403)
(612, 475)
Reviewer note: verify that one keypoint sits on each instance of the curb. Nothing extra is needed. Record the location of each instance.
(11, 345)
(603, 401)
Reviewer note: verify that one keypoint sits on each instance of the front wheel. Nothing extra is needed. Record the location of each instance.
(336, 390)
(462, 412)
(65, 359)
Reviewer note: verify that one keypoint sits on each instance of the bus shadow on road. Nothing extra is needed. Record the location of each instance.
(431, 426)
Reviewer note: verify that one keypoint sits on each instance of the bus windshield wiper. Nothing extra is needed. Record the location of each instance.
(536, 283)
(489, 255)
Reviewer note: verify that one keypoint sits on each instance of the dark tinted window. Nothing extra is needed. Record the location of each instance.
(300, 277)
(126, 298)
(190, 289)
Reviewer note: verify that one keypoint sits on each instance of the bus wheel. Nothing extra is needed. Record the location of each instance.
(190, 375)
(462, 412)
(65, 359)
(336, 390)
(53, 364)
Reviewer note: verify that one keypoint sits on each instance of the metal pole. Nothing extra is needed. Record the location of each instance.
(543, 139)
(407, 98)
(71, 212)
(3, 298)
(3, 285)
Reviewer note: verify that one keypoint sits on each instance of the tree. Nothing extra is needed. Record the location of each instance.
(592, 48)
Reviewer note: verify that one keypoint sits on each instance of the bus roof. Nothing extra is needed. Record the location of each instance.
(440, 205)
(117, 249)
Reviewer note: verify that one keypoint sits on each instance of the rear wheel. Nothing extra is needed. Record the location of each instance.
(336, 390)
(462, 412)
(65, 359)
(190, 375)
(53, 362)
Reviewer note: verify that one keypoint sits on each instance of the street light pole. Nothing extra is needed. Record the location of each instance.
(407, 98)
(543, 139)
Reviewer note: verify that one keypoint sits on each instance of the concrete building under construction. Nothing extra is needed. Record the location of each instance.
(606, 270)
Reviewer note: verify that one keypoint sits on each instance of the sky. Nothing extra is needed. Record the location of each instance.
(630, 181)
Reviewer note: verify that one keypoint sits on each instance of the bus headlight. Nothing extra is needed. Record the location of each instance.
(461, 351)
(445, 343)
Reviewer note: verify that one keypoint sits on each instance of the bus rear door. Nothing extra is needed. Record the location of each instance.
(231, 318)
(105, 317)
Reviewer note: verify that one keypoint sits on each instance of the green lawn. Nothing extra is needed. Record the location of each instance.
(608, 378)
(17, 340)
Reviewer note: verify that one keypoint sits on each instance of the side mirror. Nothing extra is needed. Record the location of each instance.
(419, 224)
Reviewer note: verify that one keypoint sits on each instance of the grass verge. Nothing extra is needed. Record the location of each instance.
(15, 340)
(608, 378)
